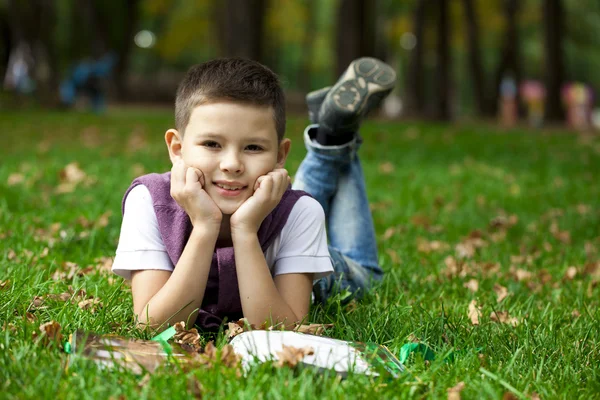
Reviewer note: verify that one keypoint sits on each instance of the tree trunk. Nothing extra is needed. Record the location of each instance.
(510, 55)
(554, 77)
(240, 28)
(414, 84)
(479, 91)
(442, 106)
(304, 72)
(132, 12)
(355, 32)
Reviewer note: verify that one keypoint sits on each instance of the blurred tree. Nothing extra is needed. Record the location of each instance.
(240, 28)
(510, 57)
(482, 105)
(553, 43)
(442, 103)
(415, 89)
(32, 23)
(356, 31)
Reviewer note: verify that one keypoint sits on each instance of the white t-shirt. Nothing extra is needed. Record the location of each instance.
(301, 247)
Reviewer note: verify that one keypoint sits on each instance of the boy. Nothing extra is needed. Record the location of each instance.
(223, 235)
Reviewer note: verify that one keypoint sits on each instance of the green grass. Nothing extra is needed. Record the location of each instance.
(456, 178)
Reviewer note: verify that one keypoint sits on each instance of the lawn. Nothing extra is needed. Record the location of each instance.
(490, 241)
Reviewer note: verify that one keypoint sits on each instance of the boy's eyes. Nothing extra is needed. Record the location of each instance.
(214, 145)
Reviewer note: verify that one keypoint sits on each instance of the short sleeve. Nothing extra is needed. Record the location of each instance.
(140, 245)
(303, 246)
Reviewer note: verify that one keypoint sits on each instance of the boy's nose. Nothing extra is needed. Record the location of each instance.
(232, 163)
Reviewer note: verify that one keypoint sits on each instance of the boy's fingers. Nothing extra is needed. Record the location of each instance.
(191, 176)
(177, 175)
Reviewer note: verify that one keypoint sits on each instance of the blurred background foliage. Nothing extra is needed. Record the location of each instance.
(451, 54)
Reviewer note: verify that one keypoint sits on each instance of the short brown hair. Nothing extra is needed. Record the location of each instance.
(235, 79)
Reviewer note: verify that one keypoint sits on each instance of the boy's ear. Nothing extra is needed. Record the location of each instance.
(174, 142)
(284, 150)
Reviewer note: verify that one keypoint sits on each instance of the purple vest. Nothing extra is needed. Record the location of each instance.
(222, 294)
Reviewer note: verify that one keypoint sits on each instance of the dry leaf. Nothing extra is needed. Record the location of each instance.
(50, 332)
(71, 173)
(424, 246)
(454, 392)
(393, 255)
(465, 250)
(522, 275)
(571, 273)
(472, 285)
(474, 312)
(509, 396)
(229, 357)
(313, 329)
(188, 338)
(389, 232)
(563, 236)
(90, 304)
(144, 381)
(15, 179)
(290, 356)
(575, 314)
(504, 317)
(195, 388)
(234, 329)
(386, 168)
(501, 292)
(4, 284)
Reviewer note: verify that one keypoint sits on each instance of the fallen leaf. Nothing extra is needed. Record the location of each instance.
(454, 392)
(420, 220)
(50, 332)
(15, 179)
(571, 273)
(576, 314)
(190, 339)
(501, 292)
(195, 388)
(386, 168)
(522, 275)
(4, 284)
(504, 317)
(144, 381)
(313, 329)
(290, 356)
(389, 232)
(425, 246)
(90, 305)
(465, 250)
(563, 236)
(509, 396)
(583, 209)
(472, 285)
(393, 255)
(233, 329)
(474, 312)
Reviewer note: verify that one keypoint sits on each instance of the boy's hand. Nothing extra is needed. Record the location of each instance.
(268, 190)
(187, 188)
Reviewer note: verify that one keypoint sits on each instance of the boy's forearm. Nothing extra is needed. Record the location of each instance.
(261, 301)
(181, 296)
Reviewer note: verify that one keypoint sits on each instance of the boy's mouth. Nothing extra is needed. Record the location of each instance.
(229, 188)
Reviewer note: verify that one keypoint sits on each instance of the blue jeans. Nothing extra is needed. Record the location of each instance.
(333, 176)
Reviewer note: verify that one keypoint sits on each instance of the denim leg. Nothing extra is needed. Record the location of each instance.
(334, 177)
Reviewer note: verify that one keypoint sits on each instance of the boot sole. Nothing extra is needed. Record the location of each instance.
(365, 78)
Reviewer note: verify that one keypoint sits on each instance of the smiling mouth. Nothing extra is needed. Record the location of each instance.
(227, 187)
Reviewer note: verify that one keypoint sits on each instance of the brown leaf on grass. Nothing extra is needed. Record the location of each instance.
(5, 284)
(393, 255)
(465, 250)
(509, 396)
(570, 273)
(504, 318)
(535, 396)
(575, 314)
(389, 232)
(90, 305)
(144, 381)
(313, 329)
(472, 285)
(195, 388)
(30, 317)
(583, 209)
(501, 292)
(15, 179)
(562, 236)
(425, 246)
(386, 168)
(229, 357)
(11, 254)
(188, 338)
(504, 221)
(234, 329)
(454, 392)
(71, 175)
(50, 333)
(420, 220)
(104, 264)
(290, 356)
(521, 274)
(474, 312)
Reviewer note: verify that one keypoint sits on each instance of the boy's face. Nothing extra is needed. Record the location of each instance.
(232, 144)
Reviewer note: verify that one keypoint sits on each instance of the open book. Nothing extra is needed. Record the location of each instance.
(252, 347)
